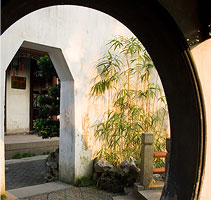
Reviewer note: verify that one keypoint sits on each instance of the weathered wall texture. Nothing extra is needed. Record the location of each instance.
(202, 57)
(81, 34)
(18, 102)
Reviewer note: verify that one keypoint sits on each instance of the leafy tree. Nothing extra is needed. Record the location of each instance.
(127, 76)
(47, 70)
(49, 103)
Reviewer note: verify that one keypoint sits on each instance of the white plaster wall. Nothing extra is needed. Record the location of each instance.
(18, 103)
(202, 57)
(81, 33)
(2, 92)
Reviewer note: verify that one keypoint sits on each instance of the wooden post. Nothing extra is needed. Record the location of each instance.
(147, 157)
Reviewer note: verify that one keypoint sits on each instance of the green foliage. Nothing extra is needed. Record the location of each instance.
(3, 197)
(47, 127)
(49, 103)
(159, 162)
(46, 153)
(24, 155)
(47, 69)
(85, 182)
(126, 76)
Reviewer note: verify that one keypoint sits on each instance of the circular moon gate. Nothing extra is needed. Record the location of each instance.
(166, 45)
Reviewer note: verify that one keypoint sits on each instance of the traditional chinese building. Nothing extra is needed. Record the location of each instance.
(23, 85)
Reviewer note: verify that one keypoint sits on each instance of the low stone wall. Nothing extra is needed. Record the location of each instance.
(38, 148)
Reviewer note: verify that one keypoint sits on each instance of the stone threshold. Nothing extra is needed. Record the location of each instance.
(29, 144)
(142, 195)
(27, 159)
(31, 191)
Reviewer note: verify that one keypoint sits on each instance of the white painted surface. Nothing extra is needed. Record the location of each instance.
(68, 149)
(202, 57)
(18, 102)
(2, 92)
(75, 37)
(81, 34)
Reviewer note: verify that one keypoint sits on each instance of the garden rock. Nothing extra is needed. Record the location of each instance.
(159, 177)
(115, 179)
(129, 171)
(100, 166)
(52, 163)
(111, 181)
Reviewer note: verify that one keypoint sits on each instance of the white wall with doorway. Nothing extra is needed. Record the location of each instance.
(81, 34)
(18, 101)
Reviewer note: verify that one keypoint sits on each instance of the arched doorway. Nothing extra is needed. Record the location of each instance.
(163, 40)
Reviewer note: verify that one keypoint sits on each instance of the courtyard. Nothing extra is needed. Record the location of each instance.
(181, 56)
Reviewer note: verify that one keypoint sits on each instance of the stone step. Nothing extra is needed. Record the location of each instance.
(152, 194)
(24, 160)
(28, 144)
(157, 185)
(31, 191)
(142, 195)
(149, 194)
(126, 197)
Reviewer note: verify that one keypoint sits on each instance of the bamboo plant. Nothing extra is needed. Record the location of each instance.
(135, 102)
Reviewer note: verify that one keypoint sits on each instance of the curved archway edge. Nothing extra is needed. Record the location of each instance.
(166, 45)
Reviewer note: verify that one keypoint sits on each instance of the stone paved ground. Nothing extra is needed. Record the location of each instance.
(21, 174)
(25, 174)
(75, 193)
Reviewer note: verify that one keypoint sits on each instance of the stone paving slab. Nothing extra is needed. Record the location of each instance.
(142, 195)
(125, 198)
(25, 173)
(60, 191)
(10, 196)
(150, 194)
(27, 159)
(38, 190)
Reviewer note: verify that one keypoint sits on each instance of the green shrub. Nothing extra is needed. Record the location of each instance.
(17, 156)
(3, 197)
(24, 155)
(48, 102)
(46, 153)
(47, 69)
(47, 127)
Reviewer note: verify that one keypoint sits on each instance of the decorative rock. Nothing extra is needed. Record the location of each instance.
(111, 181)
(101, 165)
(114, 179)
(128, 190)
(158, 177)
(129, 171)
(52, 163)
